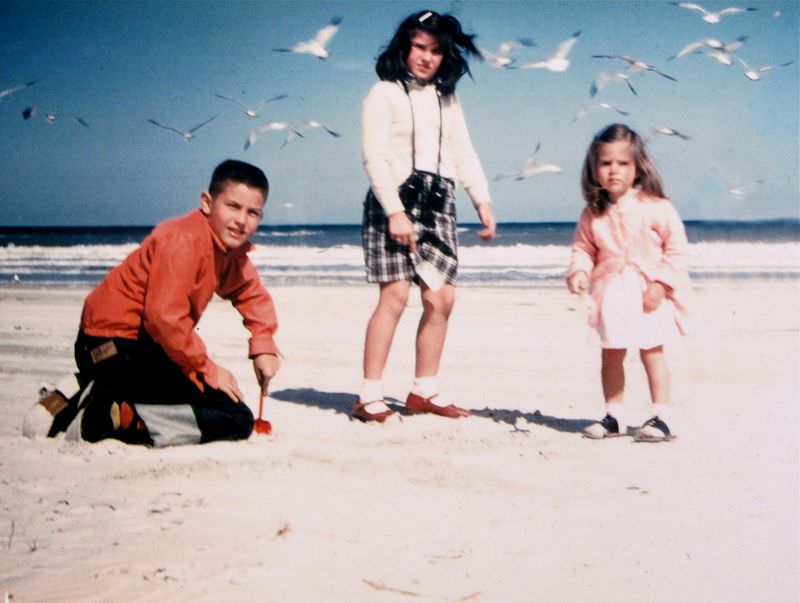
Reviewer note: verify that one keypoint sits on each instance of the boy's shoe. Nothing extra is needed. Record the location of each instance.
(417, 404)
(653, 430)
(104, 418)
(608, 427)
(361, 412)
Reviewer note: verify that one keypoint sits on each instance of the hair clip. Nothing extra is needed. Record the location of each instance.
(426, 15)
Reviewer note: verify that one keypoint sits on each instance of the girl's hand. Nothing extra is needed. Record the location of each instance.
(401, 230)
(653, 296)
(578, 282)
(265, 367)
(486, 215)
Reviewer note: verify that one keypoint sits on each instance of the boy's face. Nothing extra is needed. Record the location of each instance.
(234, 213)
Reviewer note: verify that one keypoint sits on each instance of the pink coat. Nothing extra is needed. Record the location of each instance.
(639, 231)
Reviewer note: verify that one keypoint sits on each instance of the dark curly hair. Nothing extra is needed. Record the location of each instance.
(453, 43)
(647, 176)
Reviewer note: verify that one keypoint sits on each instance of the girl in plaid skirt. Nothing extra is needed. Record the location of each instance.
(415, 147)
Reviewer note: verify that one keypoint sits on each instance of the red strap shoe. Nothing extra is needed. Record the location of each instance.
(418, 404)
(360, 412)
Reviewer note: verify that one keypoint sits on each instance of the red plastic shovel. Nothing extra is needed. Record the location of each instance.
(262, 426)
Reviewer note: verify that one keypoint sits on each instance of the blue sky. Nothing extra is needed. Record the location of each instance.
(117, 64)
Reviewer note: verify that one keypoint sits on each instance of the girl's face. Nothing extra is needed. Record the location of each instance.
(424, 57)
(616, 168)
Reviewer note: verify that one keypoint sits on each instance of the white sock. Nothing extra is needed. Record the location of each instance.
(371, 390)
(425, 386)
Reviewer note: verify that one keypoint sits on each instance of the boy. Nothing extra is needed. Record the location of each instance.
(144, 372)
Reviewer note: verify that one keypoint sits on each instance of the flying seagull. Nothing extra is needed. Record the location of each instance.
(667, 132)
(709, 16)
(502, 59)
(711, 47)
(584, 111)
(634, 65)
(603, 78)
(252, 111)
(755, 74)
(558, 60)
(316, 46)
(740, 190)
(52, 117)
(188, 134)
(531, 167)
(268, 127)
(311, 123)
(17, 88)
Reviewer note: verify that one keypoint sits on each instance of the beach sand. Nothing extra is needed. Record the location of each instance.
(511, 504)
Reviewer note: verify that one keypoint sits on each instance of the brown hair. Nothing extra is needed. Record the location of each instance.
(647, 177)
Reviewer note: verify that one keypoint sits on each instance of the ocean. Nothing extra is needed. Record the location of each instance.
(522, 255)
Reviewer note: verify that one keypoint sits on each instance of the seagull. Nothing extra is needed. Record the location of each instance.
(189, 134)
(17, 88)
(735, 190)
(634, 65)
(667, 132)
(712, 17)
(269, 126)
(531, 167)
(740, 190)
(584, 111)
(755, 74)
(316, 46)
(52, 117)
(502, 60)
(252, 111)
(311, 123)
(603, 78)
(719, 51)
(558, 60)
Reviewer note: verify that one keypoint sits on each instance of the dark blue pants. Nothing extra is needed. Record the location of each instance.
(139, 371)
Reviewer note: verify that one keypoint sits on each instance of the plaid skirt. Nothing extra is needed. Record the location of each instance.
(429, 201)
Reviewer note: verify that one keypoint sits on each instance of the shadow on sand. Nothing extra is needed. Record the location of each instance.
(342, 402)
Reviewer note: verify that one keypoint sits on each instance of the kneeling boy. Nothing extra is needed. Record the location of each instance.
(144, 372)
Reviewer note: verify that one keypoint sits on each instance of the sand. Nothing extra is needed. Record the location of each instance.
(512, 504)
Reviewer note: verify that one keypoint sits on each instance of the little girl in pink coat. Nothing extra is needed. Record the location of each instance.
(629, 254)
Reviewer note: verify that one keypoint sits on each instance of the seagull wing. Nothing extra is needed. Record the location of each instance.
(612, 107)
(166, 127)
(325, 34)
(77, 118)
(233, 100)
(17, 88)
(200, 125)
(766, 68)
(565, 46)
(687, 49)
(692, 6)
(315, 124)
(272, 99)
(655, 69)
(732, 10)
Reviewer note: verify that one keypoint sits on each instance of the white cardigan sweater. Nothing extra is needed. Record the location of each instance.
(386, 142)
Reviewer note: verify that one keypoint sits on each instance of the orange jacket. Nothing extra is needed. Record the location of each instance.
(165, 285)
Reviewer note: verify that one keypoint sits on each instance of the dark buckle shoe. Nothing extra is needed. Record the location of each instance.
(608, 427)
(653, 430)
